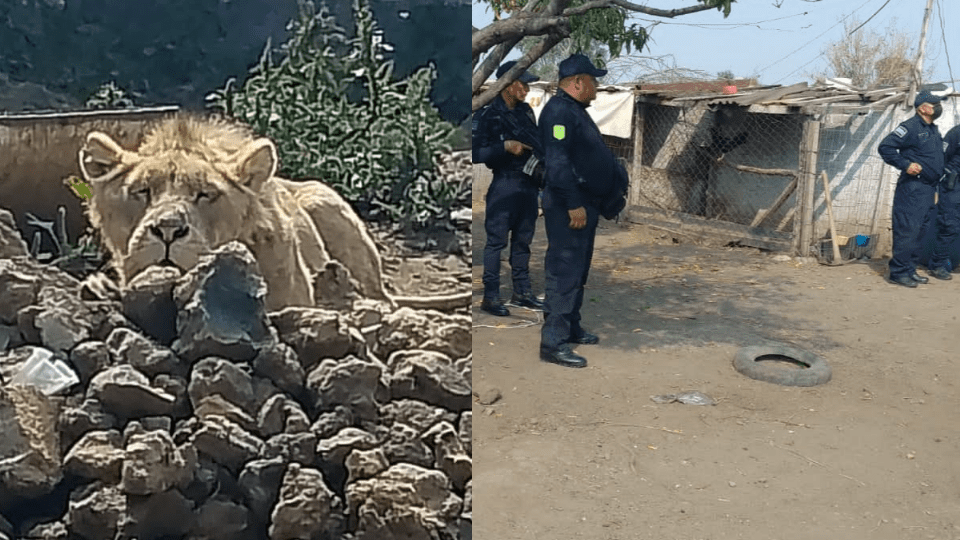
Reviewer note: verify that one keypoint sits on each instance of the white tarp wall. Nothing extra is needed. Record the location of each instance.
(612, 110)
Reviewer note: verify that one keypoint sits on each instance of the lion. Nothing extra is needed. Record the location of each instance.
(197, 183)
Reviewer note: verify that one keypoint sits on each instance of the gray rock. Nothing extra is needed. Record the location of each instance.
(128, 394)
(11, 243)
(414, 413)
(404, 445)
(216, 405)
(334, 287)
(218, 376)
(226, 443)
(9, 337)
(407, 329)
(89, 358)
(350, 382)
(260, 483)
(55, 530)
(271, 417)
(282, 414)
(329, 423)
(405, 501)
(363, 464)
(220, 306)
(317, 333)
(18, 289)
(222, 519)
(176, 386)
(63, 320)
(468, 502)
(129, 347)
(335, 449)
(29, 443)
(297, 447)
(449, 454)
(96, 510)
(160, 515)
(76, 421)
(281, 365)
(155, 423)
(153, 464)
(148, 301)
(429, 376)
(98, 455)
(306, 508)
(466, 431)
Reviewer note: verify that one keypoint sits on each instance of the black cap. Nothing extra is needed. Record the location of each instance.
(578, 64)
(524, 77)
(925, 97)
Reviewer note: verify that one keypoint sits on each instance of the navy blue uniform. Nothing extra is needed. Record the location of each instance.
(511, 211)
(914, 141)
(581, 171)
(948, 206)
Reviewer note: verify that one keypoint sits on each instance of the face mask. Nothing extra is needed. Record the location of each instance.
(937, 111)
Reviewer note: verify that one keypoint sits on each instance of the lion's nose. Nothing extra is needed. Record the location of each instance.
(168, 232)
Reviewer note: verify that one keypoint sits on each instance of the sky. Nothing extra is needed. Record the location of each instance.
(784, 45)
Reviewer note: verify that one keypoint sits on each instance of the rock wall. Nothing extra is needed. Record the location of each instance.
(197, 415)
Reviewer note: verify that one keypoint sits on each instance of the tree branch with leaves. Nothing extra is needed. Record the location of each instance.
(555, 20)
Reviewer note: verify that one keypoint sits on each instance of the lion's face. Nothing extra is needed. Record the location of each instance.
(171, 206)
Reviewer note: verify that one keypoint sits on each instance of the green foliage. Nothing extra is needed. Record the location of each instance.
(336, 113)
(604, 25)
(725, 75)
(109, 96)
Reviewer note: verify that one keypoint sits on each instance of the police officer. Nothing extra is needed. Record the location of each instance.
(948, 204)
(583, 181)
(506, 140)
(915, 148)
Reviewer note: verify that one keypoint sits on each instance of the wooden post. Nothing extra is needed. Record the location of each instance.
(809, 149)
(918, 67)
(833, 224)
(635, 174)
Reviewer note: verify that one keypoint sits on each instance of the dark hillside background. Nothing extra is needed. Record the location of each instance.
(55, 53)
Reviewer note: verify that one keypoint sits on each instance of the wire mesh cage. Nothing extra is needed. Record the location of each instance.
(719, 162)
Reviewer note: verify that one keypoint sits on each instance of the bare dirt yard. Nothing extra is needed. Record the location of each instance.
(873, 454)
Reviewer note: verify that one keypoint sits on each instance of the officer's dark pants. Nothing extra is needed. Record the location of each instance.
(911, 205)
(948, 227)
(511, 214)
(566, 266)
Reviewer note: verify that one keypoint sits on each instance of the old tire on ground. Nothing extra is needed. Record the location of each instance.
(750, 361)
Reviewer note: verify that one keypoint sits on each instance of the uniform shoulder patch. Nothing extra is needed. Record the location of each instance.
(559, 132)
(900, 131)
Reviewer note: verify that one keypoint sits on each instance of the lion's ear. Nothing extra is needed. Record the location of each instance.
(99, 156)
(256, 163)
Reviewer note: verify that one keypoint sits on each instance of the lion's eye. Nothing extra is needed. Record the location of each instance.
(142, 195)
(208, 195)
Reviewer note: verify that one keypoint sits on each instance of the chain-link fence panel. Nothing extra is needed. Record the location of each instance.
(719, 162)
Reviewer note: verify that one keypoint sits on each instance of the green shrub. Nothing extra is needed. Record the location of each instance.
(109, 96)
(337, 114)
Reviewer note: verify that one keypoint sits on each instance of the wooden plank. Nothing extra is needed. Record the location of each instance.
(787, 218)
(808, 164)
(757, 170)
(635, 175)
(763, 214)
(833, 224)
(699, 227)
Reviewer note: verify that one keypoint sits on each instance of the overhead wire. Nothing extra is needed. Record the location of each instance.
(800, 48)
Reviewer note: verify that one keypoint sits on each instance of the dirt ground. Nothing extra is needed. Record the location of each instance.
(566, 453)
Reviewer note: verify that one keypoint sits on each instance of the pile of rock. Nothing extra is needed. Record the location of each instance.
(198, 415)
